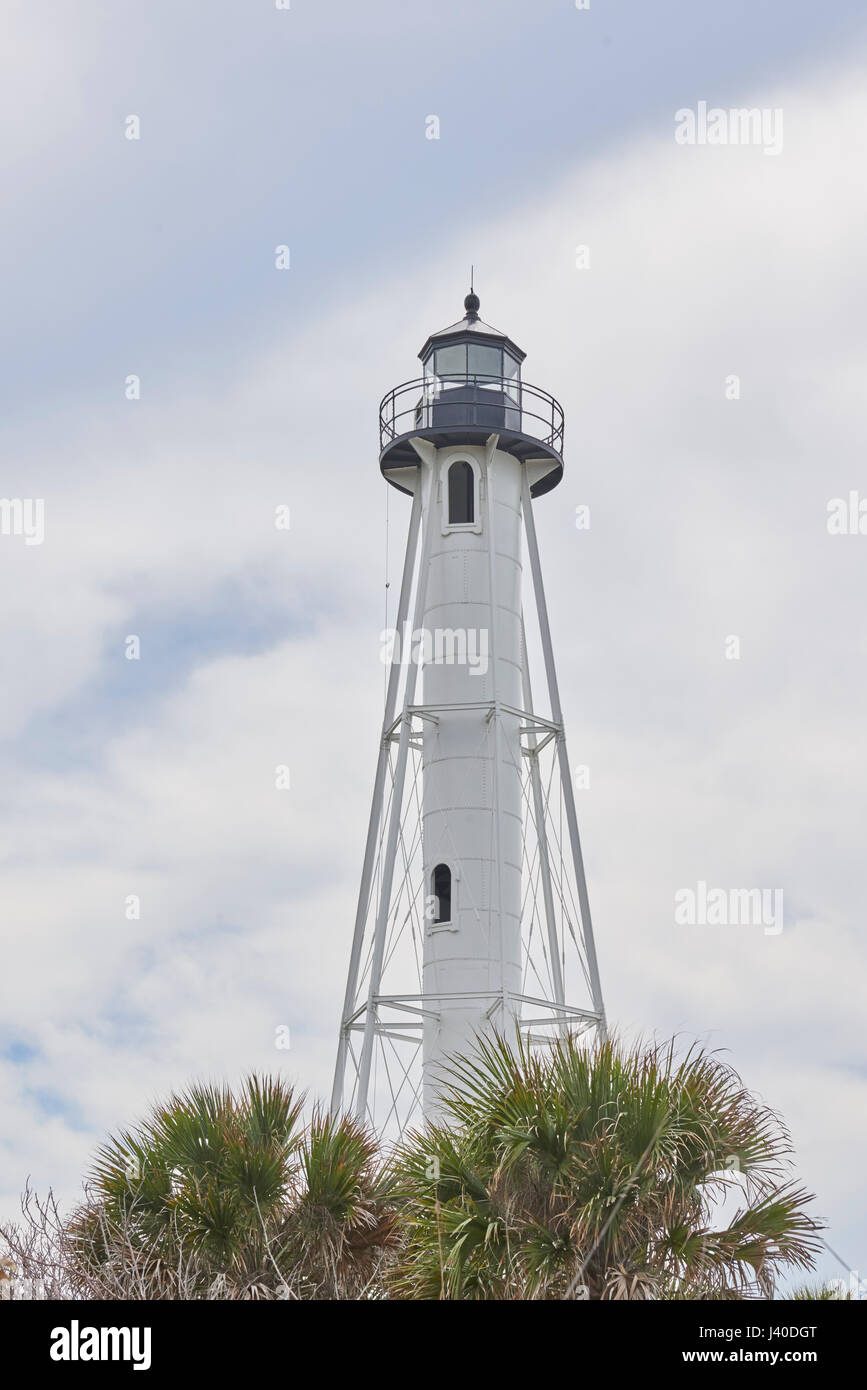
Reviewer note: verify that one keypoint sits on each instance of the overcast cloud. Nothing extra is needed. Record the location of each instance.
(260, 647)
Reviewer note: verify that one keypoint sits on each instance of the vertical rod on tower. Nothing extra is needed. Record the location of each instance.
(562, 755)
(427, 452)
(490, 449)
(376, 808)
(542, 835)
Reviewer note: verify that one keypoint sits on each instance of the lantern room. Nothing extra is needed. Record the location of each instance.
(472, 387)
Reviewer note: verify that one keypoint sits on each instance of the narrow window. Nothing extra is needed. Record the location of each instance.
(462, 487)
(441, 885)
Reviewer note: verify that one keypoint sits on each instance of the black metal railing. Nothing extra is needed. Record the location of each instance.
(471, 399)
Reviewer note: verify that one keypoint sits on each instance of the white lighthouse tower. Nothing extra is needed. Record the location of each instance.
(473, 912)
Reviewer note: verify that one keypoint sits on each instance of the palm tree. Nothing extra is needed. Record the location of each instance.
(575, 1173)
(224, 1196)
(341, 1224)
(823, 1292)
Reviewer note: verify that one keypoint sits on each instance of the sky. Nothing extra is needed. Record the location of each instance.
(155, 258)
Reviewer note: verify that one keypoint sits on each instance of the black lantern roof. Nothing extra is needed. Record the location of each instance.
(473, 329)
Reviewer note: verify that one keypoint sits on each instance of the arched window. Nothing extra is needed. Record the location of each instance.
(441, 887)
(462, 494)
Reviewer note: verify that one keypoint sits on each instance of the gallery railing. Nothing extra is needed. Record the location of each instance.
(471, 400)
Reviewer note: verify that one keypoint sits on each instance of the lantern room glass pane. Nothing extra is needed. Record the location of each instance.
(512, 373)
(451, 362)
(485, 361)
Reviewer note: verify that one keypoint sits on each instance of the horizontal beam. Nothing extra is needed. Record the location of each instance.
(558, 1008)
(430, 712)
(385, 1030)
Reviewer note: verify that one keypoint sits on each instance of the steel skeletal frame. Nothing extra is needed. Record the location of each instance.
(369, 1011)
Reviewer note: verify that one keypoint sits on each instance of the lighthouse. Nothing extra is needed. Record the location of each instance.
(473, 914)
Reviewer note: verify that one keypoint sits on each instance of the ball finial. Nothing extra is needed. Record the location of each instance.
(471, 304)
